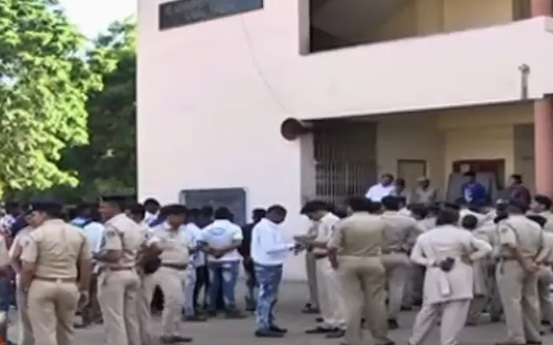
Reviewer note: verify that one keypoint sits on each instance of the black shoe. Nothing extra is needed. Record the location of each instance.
(174, 339)
(194, 318)
(277, 329)
(337, 334)
(406, 308)
(319, 330)
(234, 314)
(392, 324)
(265, 333)
(309, 309)
(319, 319)
(211, 312)
(495, 319)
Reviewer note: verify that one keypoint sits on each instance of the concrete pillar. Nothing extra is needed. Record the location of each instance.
(541, 8)
(543, 124)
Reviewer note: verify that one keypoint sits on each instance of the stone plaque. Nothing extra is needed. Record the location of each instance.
(178, 13)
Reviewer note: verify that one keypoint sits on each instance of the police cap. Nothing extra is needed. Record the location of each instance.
(46, 205)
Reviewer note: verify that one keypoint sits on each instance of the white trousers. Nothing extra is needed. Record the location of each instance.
(330, 295)
(454, 316)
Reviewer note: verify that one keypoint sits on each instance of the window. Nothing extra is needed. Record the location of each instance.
(184, 12)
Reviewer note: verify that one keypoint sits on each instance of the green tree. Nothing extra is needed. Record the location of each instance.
(108, 162)
(45, 77)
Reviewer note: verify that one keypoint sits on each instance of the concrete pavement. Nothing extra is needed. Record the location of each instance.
(293, 295)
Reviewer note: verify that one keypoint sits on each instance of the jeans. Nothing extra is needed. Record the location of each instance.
(189, 309)
(5, 301)
(268, 278)
(225, 275)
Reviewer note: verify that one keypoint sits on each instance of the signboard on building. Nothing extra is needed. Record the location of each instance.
(184, 12)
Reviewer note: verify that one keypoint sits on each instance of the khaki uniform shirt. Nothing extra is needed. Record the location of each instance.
(20, 242)
(517, 230)
(174, 244)
(55, 247)
(325, 228)
(424, 196)
(360, 234)
(122, 233)
(548, 215)
(400, 233)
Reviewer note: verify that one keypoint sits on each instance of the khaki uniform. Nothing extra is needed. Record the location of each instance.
(55, 248)
(517, 287)
(171, 276)
(330, 295)
(118, 283)
(311, 270)
(25, 331)
(358, 240)
(548, 215)
(448, 294)
(146, 291)
(545, 279)
(485, 287)
(400, 235)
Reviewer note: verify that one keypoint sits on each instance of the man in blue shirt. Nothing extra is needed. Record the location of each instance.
(473, 191)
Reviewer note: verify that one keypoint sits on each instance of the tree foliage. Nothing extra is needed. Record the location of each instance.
(108, 162)
(45, 79)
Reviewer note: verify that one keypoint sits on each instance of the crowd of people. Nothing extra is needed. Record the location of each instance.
(118, 263)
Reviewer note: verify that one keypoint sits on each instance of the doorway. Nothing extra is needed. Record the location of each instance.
(493, 166)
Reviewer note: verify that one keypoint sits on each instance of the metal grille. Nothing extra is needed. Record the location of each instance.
(345, 159)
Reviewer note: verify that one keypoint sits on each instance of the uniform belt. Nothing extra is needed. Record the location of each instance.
(63, 280)
(116, 269)
(180, 267)
(394, 251)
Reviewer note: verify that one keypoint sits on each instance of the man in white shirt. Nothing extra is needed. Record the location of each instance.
(222, 239)
(384, 188)
(268, 252)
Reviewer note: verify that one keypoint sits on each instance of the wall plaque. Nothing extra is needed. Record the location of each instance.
(184, 12)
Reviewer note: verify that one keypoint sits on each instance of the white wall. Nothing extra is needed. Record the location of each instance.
(211, 96)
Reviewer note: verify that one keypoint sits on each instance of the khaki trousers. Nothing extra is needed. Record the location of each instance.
(52, 307)
(173, 283)
(453, 318)
(518, 290)
(330, 295)
(145, 296)
(545, 278)
(25, 330)
(311, 270)
(118, 297)
(363, 282)
(397, 269)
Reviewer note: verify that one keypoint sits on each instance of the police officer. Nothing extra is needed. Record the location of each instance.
(354, 252)
(51, 260)
(171, 276)
(118, 281)
(520, 241)
(147, 264)
(400, 235)
(25, 336)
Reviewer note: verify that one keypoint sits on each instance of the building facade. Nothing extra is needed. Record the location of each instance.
(290, 100)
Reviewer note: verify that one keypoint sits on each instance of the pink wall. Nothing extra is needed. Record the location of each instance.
(212, 95)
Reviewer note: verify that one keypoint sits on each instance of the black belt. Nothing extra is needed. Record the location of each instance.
(180, 267)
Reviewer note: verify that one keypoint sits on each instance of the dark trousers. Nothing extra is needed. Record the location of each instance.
(202, 282)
